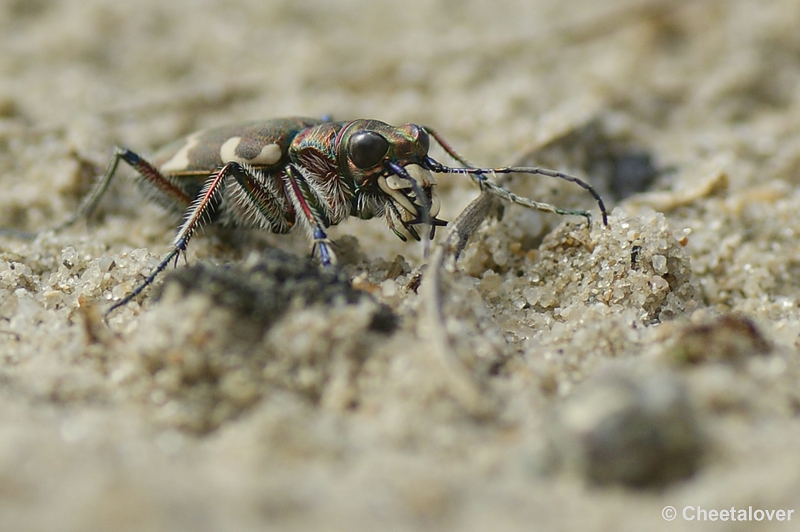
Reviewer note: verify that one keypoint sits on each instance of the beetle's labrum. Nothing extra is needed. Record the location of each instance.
(276, 174)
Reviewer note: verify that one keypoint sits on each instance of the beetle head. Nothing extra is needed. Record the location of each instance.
(388, 160)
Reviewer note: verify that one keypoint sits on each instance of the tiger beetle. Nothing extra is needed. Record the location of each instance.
(275, 174)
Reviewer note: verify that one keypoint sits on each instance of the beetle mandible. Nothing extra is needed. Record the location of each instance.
(275, 174)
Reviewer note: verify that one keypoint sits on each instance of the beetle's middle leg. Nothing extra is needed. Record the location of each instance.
(162, 188)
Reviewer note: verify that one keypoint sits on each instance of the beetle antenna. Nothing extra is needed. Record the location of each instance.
(479, 175)
(448, 148)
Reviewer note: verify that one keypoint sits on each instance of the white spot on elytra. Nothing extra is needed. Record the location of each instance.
(180, 161)
(269, 154)
(227, 152)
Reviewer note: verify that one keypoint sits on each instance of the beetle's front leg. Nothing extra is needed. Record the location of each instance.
(316, 227)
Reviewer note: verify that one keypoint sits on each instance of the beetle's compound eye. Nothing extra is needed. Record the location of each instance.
(367, 148)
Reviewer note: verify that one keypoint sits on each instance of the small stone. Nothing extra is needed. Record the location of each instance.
(622, 427)
(730, 338)
(659, 264)
(105, 263)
